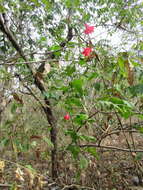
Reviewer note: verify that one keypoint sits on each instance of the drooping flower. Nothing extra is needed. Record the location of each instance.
(86, 52)
(88, 29)
(67, 117)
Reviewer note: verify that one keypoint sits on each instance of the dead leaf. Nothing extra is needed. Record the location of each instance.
(47, 68)
(39, 182)
(17, 98)
(19, 174)
(130, 72)
(39, 76)
(30, 176)
(2, 166)
(35, 137)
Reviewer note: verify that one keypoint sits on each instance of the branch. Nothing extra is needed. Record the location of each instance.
(39, 61)
(30, 91)
(87, 120)
(122, 129)
(110, 148)
(10, 37)
(116, 133)
(39, 84)
(62, 45)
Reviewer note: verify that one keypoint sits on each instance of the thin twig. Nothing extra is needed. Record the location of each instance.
(9, 185)
(116, 133)
(110, 148)
(30, 91)
(74, 186)
(87, 120)
(39, 61)
(122, 129)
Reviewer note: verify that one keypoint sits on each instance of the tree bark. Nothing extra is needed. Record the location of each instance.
(38, 83)
(47, 108)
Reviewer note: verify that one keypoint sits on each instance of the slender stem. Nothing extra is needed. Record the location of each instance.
(110, 148)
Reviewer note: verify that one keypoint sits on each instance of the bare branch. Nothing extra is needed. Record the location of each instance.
(111, 148)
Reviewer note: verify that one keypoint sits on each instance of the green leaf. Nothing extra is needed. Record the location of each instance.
(97, 86)
(72, 134)
(14, 107)
(140, 116)
(46, 94)
(139, 156)
(72, 44)
(13, 186)
(77, 84)
(42, 39)
(75, 150)
(117, 101)
(83, 163)
(4, 142)
(86, 16)
(124, 107)
(82, 62)
(73, 101)
(47, 3)
(93, 152)
(121, 64)
(92, 76)
(36, 3)
(56, 49)
(136, 89)
(8, 123)
(73, 3)
(87, 138)
(64, 89)
(2, 9)
(70, 70)
(140, 129)
(23, 147)
(48, 141)
(51, 95)
(80, 118)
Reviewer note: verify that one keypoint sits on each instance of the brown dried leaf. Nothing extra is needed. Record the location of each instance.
(39, 182)
(19, 174)
(30, 175)
(39, 76)
(130, 72)
(2, 166)
(17, 98)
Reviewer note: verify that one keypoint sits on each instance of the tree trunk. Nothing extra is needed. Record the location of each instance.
(38, 83)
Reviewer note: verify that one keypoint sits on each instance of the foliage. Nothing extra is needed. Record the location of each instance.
(93, 86)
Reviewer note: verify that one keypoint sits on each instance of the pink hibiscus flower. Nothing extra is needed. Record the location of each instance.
(67, 117)
(86, 52)
(88, 29)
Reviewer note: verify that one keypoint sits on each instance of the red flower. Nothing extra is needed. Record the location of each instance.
(88, 29)
(86, 52)
(67, 117)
